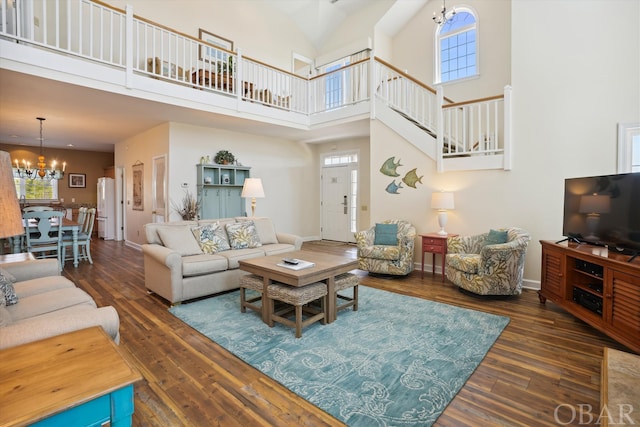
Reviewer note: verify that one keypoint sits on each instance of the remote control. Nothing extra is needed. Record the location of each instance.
(291, 261)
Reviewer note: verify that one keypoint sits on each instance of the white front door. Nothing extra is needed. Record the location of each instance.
(335, 204)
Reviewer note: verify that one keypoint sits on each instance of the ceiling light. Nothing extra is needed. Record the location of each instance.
(26, 172)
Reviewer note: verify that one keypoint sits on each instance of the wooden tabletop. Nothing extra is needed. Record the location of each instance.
(47, 377)
(326, 265)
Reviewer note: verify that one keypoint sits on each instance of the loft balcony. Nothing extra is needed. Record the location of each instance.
(91, 44)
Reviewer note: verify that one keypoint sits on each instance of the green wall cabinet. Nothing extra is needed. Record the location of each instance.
(219, 189)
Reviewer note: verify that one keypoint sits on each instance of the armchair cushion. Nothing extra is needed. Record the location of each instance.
(386, 234)
(496, 237)
(469, 263)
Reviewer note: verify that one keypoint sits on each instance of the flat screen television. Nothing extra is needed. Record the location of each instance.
(603, 210)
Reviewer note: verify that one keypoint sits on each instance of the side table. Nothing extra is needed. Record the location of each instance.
(79, 378)
(436, 244)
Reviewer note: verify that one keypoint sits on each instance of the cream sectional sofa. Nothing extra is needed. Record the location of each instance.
(44, 304)
(180, 265)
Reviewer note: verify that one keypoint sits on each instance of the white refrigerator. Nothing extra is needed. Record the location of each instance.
(106, 209)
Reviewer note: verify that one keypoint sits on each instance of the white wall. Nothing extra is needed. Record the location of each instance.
(261, 32)
(140, 148)
(575, 76)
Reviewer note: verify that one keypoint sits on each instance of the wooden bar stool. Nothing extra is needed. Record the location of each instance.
(253, 282)
(297, 297)
(344, 281)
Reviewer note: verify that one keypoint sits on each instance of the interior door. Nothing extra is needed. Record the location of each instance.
(159, 189)
(335, 204)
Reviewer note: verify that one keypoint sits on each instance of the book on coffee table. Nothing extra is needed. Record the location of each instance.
(299, 266)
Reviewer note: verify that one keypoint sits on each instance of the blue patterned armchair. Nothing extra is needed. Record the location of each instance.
(480, 265)
(396, 259)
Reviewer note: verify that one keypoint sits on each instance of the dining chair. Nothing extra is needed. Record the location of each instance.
(82, 213)
(43, 238)
(37, 208)
(84, 238)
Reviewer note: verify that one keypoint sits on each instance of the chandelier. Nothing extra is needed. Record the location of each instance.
(442, 18)
(25, 171)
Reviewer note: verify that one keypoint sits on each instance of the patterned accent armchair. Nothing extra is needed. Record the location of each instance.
(387, 259)
(488, 269)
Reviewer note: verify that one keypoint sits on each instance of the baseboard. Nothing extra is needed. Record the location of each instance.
(133, 245)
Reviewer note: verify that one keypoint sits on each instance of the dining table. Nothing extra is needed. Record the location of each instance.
(67, 225)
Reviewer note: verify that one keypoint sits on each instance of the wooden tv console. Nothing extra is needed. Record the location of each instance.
(597, 286)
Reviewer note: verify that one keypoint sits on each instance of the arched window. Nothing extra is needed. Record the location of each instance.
(457, 47)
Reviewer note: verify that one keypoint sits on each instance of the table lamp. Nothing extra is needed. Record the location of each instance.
(11, 224)
(252, 188)
(442, 201)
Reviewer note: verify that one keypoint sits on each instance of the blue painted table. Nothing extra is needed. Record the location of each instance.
(76, 379)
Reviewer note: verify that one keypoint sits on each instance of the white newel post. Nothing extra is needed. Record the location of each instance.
(128, 47)
(507, 128)
(439, 129)
(238, 83)
(373, 77)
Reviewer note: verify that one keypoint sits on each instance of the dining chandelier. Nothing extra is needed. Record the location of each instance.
(26, 171)
(442, 18)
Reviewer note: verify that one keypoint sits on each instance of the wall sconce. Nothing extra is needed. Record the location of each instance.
(442, 201)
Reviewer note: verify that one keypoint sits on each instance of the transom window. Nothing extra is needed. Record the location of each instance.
(457, 47)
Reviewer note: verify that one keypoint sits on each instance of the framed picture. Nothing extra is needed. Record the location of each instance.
(138, 186)
(77, 180)
(209, 54)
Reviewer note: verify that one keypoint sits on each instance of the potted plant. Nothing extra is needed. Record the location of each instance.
(224, 157)
(189, 208)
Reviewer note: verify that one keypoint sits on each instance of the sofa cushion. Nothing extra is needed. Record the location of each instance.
(386, 234)
(243, 235)
(264, 227)
(197, 265)
(496, 237)
(179, 239)
(5, 316)
(43, 284)
(469, 263)
(6, 287)
(235, 255)
(47, 302)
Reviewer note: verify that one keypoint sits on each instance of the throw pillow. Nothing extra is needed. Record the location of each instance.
(266, 230)
(243, 235)
(8, 275)
(179, 239)
(211, 237)
(6, 287)
(386, 234)
(496, 237)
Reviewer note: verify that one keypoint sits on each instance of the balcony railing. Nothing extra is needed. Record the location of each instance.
(98, 32)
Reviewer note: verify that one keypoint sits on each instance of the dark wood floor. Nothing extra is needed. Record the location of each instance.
(545, 358)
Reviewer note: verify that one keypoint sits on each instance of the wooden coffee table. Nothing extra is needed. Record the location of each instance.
(326, 269)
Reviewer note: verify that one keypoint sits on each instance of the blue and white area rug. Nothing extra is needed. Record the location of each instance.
(397, 361)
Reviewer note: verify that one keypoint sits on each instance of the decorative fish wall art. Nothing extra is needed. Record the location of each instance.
(411, 178)
(393, 187)
(389, 167)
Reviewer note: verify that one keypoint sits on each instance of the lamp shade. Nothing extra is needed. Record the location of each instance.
(442, 200)
(252, 188)
(595, 203)
(11, 222)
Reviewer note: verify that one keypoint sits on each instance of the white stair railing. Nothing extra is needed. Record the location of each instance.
(406, 95)
(98, 32)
